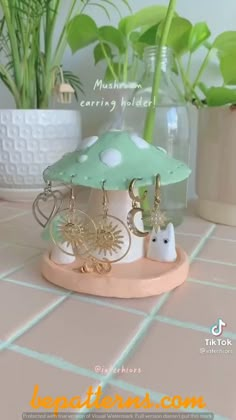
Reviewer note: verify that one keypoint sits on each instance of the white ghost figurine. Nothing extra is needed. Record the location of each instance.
(161, 245)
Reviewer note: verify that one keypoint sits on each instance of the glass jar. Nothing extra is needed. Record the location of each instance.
(172, 127)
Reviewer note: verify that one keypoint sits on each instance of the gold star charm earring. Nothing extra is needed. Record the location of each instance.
(73, 228)
(113, 239)
(157, 218)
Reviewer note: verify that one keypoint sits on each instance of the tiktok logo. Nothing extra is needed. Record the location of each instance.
(218, 328)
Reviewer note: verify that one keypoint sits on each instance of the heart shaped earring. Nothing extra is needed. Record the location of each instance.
(43, 217)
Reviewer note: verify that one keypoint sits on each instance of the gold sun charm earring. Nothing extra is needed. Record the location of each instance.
(113, 239)
(157, 218)
(136, 209)
(73, 228)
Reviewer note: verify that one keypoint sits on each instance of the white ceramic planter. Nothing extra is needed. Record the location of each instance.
(31, 140)
(216, 169)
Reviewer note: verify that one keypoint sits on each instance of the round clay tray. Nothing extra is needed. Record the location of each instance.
(141, 278)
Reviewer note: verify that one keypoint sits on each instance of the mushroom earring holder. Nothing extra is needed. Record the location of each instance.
(105, 251)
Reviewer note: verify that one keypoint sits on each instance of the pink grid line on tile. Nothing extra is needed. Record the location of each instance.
(9, 213)
(13, 257)
(221, 251)
(20, 305)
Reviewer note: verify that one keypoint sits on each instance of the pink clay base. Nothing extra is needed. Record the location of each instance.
(139, 279)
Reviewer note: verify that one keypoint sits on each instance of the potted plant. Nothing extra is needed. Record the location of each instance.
(216, 168)
(33, 136)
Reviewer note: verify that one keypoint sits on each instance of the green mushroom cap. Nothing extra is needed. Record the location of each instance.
(116, 157)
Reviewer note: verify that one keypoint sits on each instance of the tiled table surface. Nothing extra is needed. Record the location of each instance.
(58, 339)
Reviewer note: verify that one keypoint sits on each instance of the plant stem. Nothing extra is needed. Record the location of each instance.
(150, 119)
(189, 65)
(11, 85)
(202, 68)
(10, 21)
(114, 75)
(62, 43)
(125, 68)
(190, 92)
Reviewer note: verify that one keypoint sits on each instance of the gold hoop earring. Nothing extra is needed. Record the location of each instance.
(136, 209)
(157, 218)
(73, 228)
(113, 240)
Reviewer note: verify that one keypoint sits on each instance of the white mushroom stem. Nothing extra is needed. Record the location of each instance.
(119, 206)
(61, 258)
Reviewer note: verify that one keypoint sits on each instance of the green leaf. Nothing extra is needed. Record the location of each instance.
(146, 17)
(99, 54)
(199, 34)
(228, 67)
(178, 38)
(114, 36)
(139, 48)
(149, 37)
(225, 42)
(134, 37)
(82, 31)
(220, 96)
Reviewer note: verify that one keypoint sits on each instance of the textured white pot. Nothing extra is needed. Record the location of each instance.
(30, 141)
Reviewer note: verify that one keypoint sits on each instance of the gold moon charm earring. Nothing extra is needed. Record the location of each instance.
(73, 228)
(113, 240)
(136, 209)
(157, 218)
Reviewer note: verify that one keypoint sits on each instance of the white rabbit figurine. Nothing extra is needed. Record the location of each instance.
(161, 245)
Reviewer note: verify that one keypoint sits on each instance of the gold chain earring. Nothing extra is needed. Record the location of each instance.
(157, 218)
(113, 240)
(73, 228)
(136, 209)
(92, 265)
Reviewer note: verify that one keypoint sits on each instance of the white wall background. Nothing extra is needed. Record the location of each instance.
(219, 14)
